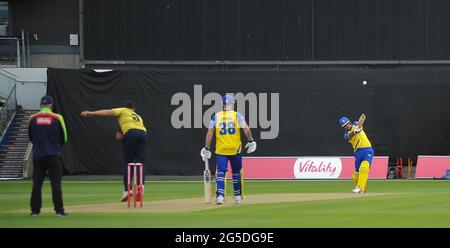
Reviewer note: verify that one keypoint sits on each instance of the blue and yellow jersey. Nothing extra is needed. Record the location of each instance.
(358, 140)
(128, 119)
(228, 132)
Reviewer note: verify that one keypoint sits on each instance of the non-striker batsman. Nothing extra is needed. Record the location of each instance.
(227, 125)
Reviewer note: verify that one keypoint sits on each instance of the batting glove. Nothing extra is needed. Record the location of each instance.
(251, 146)
(205, 153)
(357, 130)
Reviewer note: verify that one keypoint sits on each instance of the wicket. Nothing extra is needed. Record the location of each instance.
(136, 187)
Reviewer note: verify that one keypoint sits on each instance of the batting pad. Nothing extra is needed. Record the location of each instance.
(355, 179)
(363, 175)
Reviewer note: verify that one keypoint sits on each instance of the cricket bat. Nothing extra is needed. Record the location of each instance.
(207, 182)
(361, 120)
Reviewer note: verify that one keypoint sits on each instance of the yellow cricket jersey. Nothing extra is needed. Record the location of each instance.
(359, 140)
(228, 133)
(128, 119)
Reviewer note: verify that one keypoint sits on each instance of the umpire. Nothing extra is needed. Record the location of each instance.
(47, 132)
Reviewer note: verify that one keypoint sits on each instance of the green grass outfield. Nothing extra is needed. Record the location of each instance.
(414, 203)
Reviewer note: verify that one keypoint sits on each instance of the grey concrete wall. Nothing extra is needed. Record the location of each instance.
(31, 85)
(70, 61)
(29, 94)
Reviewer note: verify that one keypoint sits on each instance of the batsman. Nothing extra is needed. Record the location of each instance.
(362, 148)
(227, 125)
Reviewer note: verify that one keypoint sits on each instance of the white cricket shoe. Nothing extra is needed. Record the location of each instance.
(220, 200)
(125, 196)
(237, 199)
(356, 190)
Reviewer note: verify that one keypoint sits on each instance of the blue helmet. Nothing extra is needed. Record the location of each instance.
(343, 121)
(228, 99)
